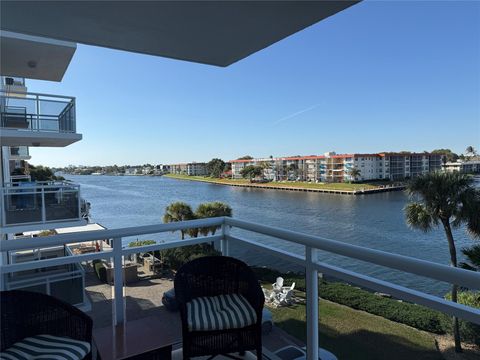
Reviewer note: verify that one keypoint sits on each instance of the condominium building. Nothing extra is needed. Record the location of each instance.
(191, 169)
(196, 169)
(332, 167)
(29, 207)
(178, 169)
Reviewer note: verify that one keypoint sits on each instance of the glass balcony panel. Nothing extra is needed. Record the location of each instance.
(19, 151)
(27, 202)
(61, 204)
(22, 206)
(29, 111)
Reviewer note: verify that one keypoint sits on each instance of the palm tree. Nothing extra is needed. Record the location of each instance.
(293, 168)
(354, 173)
(265, 165)
(473, 257)
(179, 211)
(471, 150)
(450, 200)
(251, 171)
(209, 210)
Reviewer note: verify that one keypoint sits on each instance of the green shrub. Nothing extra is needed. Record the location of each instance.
(468, 331)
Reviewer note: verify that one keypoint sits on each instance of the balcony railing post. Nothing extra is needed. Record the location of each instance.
(44, 210)
(119, 310)
(312, 304)
(38, 112)
(224, 242)
(3, 207)
(79, 198)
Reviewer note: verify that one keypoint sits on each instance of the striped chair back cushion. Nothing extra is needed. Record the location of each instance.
(221, 312)
(46, 347)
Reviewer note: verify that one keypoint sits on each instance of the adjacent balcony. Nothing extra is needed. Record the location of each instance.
(31, 119)
(40, 205)
(19, 153)
(133, 310)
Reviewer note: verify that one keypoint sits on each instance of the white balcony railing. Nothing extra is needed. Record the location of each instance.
(27, 203)
(307, 259)
(37, 112)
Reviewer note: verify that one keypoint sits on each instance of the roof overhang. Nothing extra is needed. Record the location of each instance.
(211, 32)
(14, 137)
(34, 57)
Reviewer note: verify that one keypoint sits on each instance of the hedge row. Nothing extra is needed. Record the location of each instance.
(413, 315)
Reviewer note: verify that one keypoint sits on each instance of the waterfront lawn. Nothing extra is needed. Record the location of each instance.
(286, 184)
(354, 334)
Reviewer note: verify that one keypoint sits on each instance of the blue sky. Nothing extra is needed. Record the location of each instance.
(380, 76)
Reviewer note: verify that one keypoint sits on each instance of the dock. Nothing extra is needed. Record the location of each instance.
(327, 191)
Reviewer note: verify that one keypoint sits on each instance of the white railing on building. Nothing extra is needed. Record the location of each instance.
(37, 112)
(308, 260)
(25, 203)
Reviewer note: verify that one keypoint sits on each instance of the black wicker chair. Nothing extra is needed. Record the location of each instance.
(24, 314)
(213, 276)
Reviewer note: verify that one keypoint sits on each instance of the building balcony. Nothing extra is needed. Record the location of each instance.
(132, 307)
(40, 205)
(30, 119)
(19, 153)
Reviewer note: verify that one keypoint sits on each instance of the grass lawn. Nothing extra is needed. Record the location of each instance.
(294, 184)
(353, 334)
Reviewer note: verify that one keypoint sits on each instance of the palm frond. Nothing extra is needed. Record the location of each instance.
(473, 255)
(418, 217)
(466, 266)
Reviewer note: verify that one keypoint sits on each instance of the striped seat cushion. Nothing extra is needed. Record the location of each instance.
(46, 347)
(221, 312)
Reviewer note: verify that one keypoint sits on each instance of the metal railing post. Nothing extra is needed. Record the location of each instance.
(119, 302)
(224, 242)
(312, 304)
(79, 200)
(44, 210)
(3, 207)
(38, 112)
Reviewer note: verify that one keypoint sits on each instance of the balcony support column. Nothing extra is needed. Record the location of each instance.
(119, 301)
(312, 304)
(224, 242)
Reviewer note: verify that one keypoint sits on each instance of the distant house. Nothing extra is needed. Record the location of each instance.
(130, 171)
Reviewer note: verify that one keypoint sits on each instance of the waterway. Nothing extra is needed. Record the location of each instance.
(375, 221)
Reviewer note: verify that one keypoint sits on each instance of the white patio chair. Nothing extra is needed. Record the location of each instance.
(278, 285)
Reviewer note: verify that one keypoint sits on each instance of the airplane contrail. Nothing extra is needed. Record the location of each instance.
(288, 117)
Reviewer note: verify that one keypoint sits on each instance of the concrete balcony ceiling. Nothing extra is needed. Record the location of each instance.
(34, 57)
(211, 32)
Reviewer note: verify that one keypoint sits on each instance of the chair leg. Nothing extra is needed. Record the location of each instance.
(259, 352)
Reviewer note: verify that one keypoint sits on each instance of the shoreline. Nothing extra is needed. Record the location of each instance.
(362, 191)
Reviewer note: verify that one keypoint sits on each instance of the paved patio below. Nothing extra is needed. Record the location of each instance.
(144, 299)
